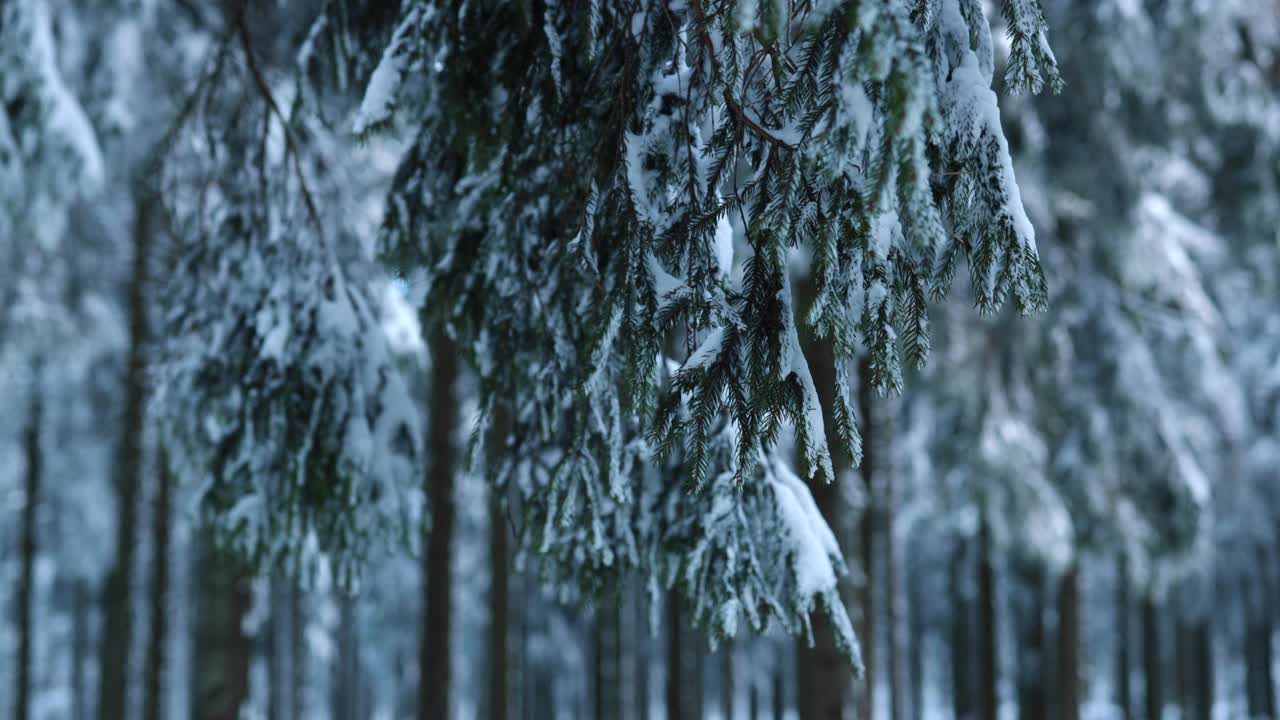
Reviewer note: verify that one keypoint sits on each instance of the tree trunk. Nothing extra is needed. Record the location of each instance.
(222, 652)
(962, 671)
(1124, 690)
(917, 635)
(79, 646)
(1032, 665)
(297, 656)
(433, 664)
(1195, 670)
(824, 682)
(153, 693)
(684, 677)
(499, 588)
(27, 581)
(866, 401)
(988, 657)
(117, 635)
(899, 702)
(605, 653)
(727, 673)
(1069, 644)
(279, 659)
(1258, 659)
(779, 693)
(641, 653)
(1202, 634)
(1151, 659)
(1183, 664)
(345, 701)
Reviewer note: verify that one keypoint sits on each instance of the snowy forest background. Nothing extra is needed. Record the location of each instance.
(639, 359)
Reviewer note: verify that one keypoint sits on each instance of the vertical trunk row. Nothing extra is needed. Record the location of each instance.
(433, 663)
(1069, 644)
(1124, 692)
(158, 637)
(26, 583)
(1151, 659)
(988, 657)
(117, 635)
(220, 685)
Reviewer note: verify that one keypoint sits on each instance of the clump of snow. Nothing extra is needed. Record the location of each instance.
(384, 85)
(812, 543)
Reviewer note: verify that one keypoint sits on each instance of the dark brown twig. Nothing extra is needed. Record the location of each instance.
(242, 29)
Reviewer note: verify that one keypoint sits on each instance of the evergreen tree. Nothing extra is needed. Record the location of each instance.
(572, 197)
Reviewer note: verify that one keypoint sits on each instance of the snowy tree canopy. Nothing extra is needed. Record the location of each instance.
(603, 203)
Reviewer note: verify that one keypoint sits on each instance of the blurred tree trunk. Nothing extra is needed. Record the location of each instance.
(1183, 664)
(870, 459)
(823, 682)
(1069, 644)
(684, 674)
(605, 652)
(779, 692)
(1202, 642)
(727, 672)
(79, 646)
(499, 610)
(1258, 657)
(899, 702)
(640, 651)
(1151, 659)
(1124, 690)
(988, 649)
(117, 635)
(220, 684)
(345, 700)
(962, 670)
(433, 661)
(297, 657)
(279, 658)
(917, 636)
(158, 637)
(27, 579)
(1032, 665)
(499, 702)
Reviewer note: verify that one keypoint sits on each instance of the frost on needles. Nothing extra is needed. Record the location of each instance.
(566, 198)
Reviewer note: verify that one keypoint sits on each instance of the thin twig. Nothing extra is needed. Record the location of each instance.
(743, 117)
(264, 89)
